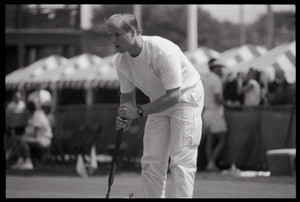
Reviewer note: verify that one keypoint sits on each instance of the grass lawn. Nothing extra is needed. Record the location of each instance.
(63, 182)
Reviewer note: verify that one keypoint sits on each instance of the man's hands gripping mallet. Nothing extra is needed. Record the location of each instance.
(126, 113)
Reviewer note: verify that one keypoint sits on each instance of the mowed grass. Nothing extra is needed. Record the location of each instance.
(65, 183)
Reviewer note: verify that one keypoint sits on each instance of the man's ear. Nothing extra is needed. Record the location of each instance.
(133, 31)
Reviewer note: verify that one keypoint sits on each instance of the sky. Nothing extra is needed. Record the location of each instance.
(251, 11)
(221, 12)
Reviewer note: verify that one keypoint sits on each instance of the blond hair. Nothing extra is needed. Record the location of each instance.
(127, 22)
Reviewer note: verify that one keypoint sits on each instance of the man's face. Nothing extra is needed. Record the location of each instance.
(121, 39)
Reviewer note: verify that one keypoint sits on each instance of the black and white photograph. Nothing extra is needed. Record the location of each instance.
(133, 101)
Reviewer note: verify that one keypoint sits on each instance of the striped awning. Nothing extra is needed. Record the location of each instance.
(200, 57)
(82, 71)
(98, 75)
(235, 56)
(240, 54)
(25, 76)
(282, 57)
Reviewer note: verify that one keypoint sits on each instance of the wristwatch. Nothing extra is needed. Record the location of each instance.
(140, 111)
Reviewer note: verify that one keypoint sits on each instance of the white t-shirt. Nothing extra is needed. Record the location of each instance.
(252, 96)
(160, 66)
(40, 121)
(212, 84)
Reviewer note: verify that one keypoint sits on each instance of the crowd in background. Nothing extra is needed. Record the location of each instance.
(253, 89)
(242, 89)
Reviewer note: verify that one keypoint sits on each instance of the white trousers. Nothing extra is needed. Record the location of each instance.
(174, 133)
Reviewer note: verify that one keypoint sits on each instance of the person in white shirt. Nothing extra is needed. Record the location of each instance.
(173, 129)
(251, 89)
(215, 126)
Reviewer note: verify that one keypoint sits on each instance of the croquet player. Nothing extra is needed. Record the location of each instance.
(173, 129)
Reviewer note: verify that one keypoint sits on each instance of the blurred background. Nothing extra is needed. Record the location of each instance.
(64, 49)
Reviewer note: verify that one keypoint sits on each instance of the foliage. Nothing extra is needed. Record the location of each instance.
(166, 21)
(284, 29)
(104, 12)
(170, 21)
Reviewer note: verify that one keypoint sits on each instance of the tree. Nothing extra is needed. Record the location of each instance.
(104, 12)
(284, 29)
(170, 21)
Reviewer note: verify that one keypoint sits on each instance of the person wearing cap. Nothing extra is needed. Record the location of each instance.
(214, 123)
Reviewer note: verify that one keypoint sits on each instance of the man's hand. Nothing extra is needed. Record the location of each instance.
(128, 111)
(123, 123)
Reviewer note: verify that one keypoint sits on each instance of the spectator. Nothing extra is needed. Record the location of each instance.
(15, 119)
(230, 92)
(37, 134)
(251, 88)
(17, 105)
(284, 93)
(264, 80)
(40, 97)
(214, 124)
(50, 116)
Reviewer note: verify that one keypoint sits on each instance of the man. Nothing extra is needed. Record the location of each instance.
(160, 70)
(214, 122)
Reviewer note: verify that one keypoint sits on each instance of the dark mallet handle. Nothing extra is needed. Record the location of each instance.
(114, 161)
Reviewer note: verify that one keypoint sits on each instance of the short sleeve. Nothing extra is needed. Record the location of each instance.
(125, 85)
(170, 70)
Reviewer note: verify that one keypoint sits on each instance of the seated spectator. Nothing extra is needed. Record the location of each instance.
(37, 133)
(50, 116)
(15, 120)
(250, 88)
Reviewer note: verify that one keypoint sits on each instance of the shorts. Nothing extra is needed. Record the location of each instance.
(214, 122)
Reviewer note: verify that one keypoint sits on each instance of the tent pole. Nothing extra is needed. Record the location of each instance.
(88, 101)
(54, 97)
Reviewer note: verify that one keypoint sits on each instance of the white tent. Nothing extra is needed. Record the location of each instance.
(240, 54)
(25, 77)
(281, 57)
(85, 71)
(235, 56)
(63, 73)
(200, 57)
